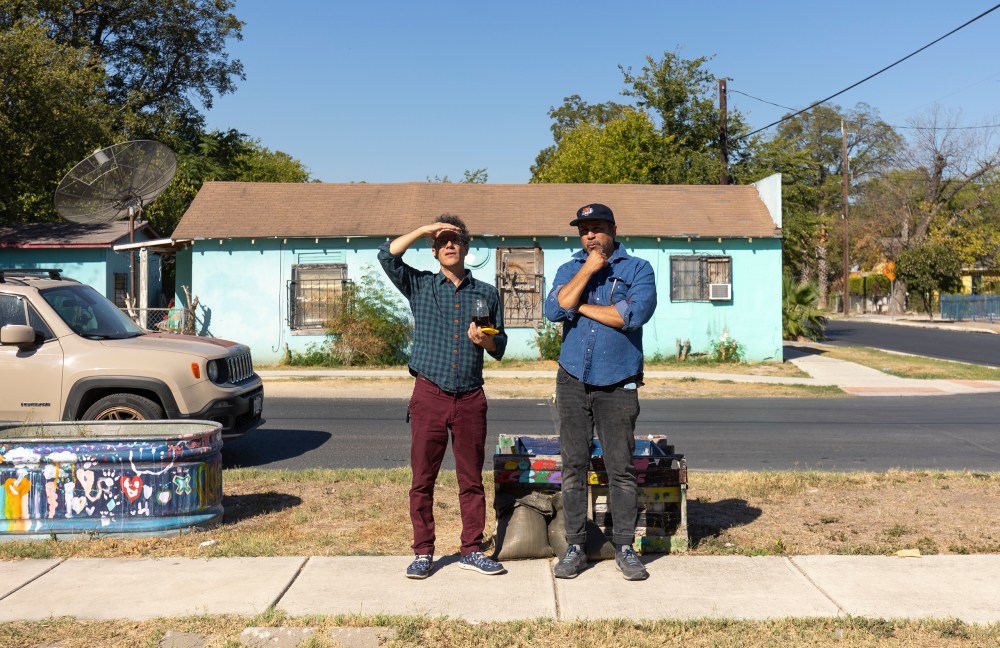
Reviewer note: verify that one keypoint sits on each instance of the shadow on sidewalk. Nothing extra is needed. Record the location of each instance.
(794, 352)
(709, 519)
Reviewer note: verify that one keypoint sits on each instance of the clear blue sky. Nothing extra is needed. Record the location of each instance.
(402, 91)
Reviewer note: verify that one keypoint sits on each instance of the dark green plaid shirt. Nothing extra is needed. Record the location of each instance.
(442, 350)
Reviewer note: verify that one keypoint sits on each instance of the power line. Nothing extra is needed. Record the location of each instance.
(936, 128)
(872, 76)
(760, 100)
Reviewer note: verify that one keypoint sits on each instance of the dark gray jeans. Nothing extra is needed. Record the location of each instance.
(612, 411)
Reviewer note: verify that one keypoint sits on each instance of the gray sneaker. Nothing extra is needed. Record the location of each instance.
(572, 563)
(627, 562)
(420, 567)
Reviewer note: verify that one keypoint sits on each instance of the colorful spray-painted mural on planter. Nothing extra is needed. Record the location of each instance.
(146, 477)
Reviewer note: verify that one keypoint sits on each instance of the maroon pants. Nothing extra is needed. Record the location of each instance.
(432, 414)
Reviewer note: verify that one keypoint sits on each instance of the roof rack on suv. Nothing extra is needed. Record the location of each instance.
(53, 273)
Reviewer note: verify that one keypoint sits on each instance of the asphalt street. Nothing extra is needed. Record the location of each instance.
(963, 346)
(871, 434)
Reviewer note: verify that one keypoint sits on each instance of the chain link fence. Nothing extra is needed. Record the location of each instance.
(166, 320)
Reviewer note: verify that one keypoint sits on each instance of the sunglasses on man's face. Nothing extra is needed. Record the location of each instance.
(444, 239)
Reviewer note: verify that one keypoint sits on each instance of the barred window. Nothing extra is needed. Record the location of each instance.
(315, 292)
(691, 276)
(520, 283)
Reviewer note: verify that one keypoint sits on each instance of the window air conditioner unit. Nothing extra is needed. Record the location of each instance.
(720, 292)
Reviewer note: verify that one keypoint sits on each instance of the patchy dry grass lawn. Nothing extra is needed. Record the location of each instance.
(363, 512)
(224, 631)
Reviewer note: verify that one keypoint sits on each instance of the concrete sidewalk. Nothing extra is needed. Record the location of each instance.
(679, 587)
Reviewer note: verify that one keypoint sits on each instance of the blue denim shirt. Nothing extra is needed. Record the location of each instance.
(592, 352)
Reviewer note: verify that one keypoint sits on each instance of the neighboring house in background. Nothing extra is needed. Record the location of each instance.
(83, 252)
(266, 260)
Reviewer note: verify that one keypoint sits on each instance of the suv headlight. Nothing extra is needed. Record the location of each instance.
(212, 368)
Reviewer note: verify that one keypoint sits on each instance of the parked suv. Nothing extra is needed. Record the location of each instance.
(67, 353)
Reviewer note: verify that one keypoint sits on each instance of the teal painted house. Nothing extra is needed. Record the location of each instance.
(266, 260)
(83, 252)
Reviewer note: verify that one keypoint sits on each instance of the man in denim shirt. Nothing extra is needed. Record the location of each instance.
(602, 296)
(447, 362)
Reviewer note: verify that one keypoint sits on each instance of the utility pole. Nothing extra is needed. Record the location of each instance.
(723, 135)
(847, 263)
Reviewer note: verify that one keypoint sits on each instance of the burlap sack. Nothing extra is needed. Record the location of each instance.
(522, 534)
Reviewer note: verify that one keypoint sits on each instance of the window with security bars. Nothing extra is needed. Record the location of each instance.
(315, 293)
(521, 284)
(691, 277)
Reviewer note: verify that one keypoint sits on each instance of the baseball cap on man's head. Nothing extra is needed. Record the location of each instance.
(593, 211)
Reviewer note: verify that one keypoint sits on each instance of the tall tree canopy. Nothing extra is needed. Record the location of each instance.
(943, 190)
(669, 136)
(808, 151)
(222, 156)
(84, 74)
(156, 54)
(53, 112)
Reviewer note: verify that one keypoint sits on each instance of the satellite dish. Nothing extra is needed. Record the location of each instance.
(115, 182)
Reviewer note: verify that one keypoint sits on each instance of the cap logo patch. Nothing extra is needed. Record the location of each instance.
(586, 211)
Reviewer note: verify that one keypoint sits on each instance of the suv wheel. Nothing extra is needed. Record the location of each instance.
(124, 407)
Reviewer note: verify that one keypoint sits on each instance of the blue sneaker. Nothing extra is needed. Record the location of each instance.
(476, 561)
(420, 567)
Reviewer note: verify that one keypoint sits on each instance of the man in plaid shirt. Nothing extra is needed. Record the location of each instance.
(447, 362)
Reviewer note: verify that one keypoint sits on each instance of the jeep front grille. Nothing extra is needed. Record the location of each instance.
(240, 367)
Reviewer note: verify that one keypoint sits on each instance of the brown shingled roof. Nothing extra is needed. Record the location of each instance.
(261, 210)
(67, 234)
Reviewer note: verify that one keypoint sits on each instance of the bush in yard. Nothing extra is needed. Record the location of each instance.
(800, 316)
(549, 341)
(727, 349)
(371, 327)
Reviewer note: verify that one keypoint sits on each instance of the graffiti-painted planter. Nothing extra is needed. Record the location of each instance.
(128, 477)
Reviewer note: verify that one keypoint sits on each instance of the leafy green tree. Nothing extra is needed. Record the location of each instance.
(682, 94)
(808, 149)
(475, 176)
(572, 113)
(52, 114)
(929, 269)
(680, 145)
(624, 150)
(800, 316)
(83, 74)
(221, 156)
(943, 190)
(157, 54)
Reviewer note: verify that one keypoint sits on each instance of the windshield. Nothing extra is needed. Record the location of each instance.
(89, 313)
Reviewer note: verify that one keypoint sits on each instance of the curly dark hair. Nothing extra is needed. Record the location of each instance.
(452, 219)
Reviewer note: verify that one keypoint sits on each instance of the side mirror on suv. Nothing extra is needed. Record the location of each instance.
(19, 335)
